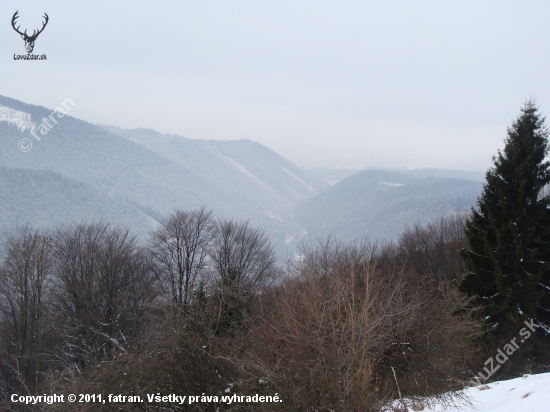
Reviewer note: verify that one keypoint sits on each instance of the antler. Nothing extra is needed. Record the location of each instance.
(14, 18)
(35, 35)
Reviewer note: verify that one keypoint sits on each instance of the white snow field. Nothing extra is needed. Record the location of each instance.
(530, 393)
(21, 119)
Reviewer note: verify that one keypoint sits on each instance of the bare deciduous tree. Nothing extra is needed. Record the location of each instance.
(242, 262)
(180, 249)
(25, 280)
(104, 287)
(242, 252)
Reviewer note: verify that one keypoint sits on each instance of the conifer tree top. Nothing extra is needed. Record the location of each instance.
(527, 139)
(509, 230)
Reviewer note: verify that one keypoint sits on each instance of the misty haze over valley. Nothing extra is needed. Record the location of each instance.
(136, 177)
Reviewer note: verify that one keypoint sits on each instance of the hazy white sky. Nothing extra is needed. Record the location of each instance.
(324, 83)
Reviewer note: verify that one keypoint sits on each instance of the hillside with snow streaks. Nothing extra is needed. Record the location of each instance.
(256, 170)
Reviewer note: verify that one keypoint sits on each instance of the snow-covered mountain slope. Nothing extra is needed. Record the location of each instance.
(531, 393)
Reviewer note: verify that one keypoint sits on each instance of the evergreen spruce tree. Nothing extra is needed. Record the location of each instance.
(509, 231)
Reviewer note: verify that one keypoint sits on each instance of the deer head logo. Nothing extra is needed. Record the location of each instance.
(29, 40)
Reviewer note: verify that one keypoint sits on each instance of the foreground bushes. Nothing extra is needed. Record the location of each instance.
(342, 334)
(203, 309)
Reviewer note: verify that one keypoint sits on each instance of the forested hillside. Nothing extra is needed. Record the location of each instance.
(46, 199)
(380, 204)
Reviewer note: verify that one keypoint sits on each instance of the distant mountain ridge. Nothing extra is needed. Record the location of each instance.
(380, 204)
(238, 179)
(256, 166)
(332, 176)
(81, 171)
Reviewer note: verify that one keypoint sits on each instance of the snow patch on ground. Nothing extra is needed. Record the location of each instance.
(392, 184)
(531, 393)
(273, 216)
(21, 119)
